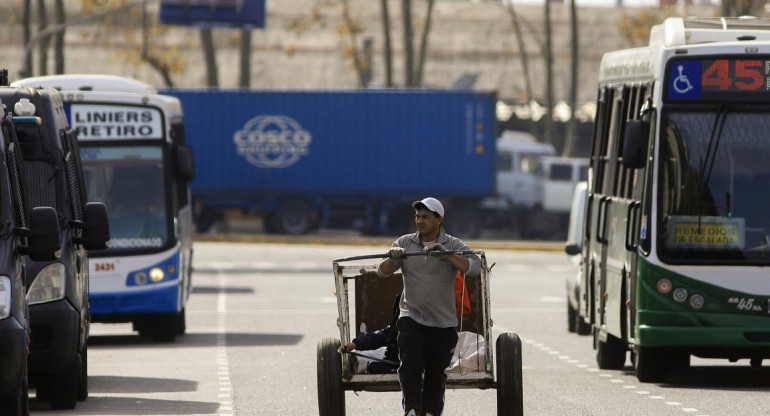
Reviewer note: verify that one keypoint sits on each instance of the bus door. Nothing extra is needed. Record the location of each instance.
(182, 173)
(611, 224)
(635, 180)
(591, 247)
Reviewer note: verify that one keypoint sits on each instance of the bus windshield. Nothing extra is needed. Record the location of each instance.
(130, 182)
(715, 185)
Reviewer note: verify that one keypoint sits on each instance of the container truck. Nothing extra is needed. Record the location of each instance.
(309, 159)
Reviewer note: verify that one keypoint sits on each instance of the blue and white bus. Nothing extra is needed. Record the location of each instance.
(136, 162)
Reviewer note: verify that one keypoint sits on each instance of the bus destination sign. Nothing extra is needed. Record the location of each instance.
(106, 122)
(723, 78)
(705, 233)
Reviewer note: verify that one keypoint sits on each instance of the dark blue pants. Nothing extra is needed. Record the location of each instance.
(429, 350)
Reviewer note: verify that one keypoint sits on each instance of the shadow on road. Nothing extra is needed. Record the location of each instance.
(215, 290)
(133, 406)
(232, 339)
(738, 378)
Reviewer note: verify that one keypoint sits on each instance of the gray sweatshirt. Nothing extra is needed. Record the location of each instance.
(429, 282)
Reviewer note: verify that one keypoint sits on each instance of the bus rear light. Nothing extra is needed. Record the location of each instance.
(697, 301)
(680, 294)
(664, 286)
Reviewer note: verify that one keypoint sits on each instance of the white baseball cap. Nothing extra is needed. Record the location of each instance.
(432, 204)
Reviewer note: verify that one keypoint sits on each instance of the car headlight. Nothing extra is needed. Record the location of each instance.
(48, 286)
(5, 297)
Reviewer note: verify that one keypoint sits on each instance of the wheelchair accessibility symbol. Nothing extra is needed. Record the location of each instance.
(681, 83)
(684, 80)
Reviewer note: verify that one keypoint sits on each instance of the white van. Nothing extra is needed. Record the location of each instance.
(573, 248)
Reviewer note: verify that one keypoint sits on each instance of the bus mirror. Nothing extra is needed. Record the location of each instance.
(43, 235)
(185, 168)
(572, 249)
(635, 141)
(96, 227)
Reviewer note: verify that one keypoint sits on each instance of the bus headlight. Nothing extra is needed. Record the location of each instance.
(156, 274)
(680, 294)
(664, 286)
(48, 285)
(140, 278)
(5, 297)
(697, 301)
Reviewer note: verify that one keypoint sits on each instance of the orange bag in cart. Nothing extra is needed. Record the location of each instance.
(463, 305)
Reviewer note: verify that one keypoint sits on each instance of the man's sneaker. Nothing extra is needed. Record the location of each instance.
(411, 413)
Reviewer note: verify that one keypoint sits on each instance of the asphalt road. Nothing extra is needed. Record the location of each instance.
(258, 311)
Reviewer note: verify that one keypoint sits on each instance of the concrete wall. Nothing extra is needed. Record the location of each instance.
(466, 37)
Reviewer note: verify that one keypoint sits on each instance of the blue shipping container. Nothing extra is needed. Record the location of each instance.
(401, 144)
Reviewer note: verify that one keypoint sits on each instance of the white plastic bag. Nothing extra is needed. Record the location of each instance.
(470, 353)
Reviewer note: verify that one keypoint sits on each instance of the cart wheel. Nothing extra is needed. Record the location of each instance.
(331, 395)
(509, 383)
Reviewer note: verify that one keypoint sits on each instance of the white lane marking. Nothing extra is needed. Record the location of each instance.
(577, 364)
(225, 394)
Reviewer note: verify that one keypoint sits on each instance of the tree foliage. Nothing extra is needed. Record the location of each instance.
(138, 39)
(634, 27)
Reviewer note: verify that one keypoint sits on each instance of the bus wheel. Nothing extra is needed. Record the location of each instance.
(651, 365)
(181, 322)
(610, 354)
(331, 395)
(509, 382)
(160, 327)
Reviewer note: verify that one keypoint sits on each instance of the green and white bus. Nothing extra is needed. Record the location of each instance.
(676, 244)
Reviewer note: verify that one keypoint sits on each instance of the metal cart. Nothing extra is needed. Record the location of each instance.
(373, 305)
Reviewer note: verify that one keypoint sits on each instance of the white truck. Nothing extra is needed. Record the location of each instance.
(537, 184)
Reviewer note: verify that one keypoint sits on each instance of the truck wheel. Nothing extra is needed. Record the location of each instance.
(331, 395)
(294, 218)
(83, 380)
(63, 393)
(610, 354)
(650, 365)
(465, 223)
(509, 382)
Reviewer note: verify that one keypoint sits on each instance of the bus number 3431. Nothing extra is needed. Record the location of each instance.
(104, 267)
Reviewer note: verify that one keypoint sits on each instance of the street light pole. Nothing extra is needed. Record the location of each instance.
(26, 70)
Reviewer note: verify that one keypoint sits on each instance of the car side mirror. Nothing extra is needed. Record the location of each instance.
(635, 141)
(96, 227)
(43, 235)
(572, 249)
(185, 167)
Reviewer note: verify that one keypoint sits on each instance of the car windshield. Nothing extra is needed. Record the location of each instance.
(715, 186)
(129, 180)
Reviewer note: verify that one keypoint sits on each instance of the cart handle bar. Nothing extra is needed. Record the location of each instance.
(410, 254)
